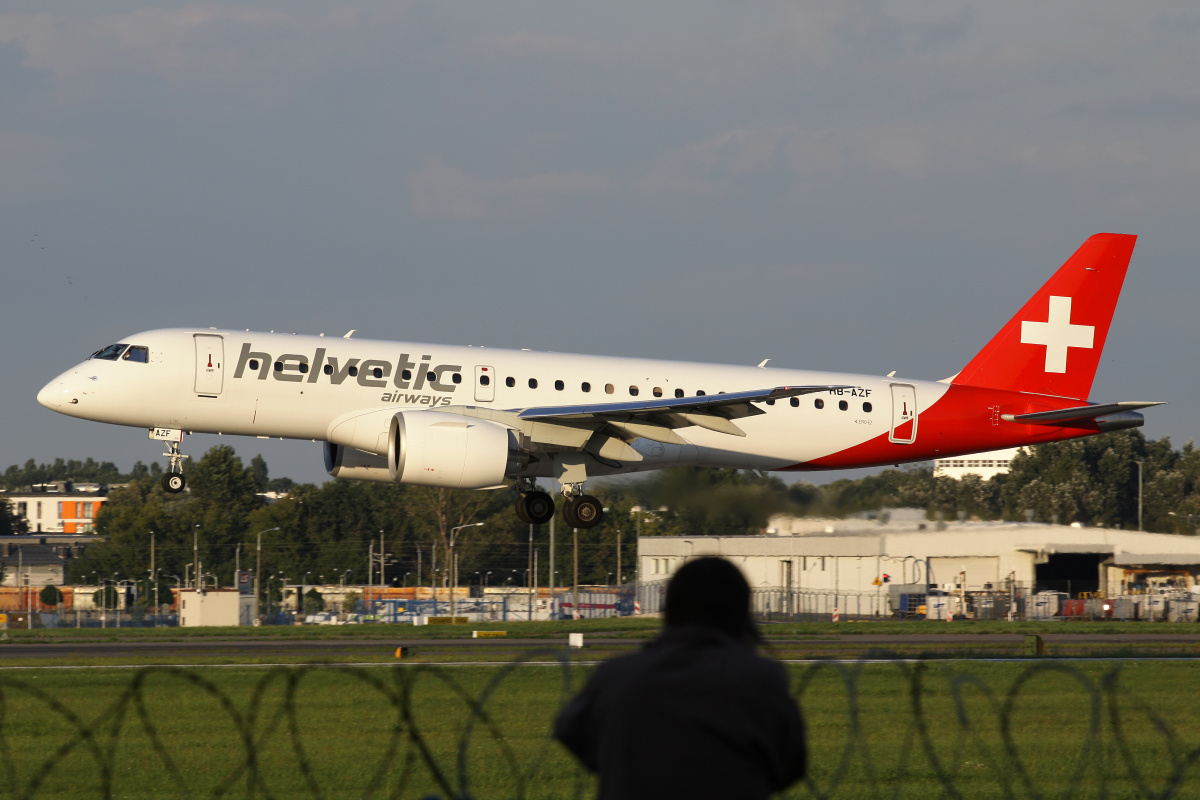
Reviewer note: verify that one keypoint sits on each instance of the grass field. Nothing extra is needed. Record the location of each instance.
(945, 728)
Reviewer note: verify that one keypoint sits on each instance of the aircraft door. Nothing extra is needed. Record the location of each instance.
(210, 356)
(904, 414)
(485, 384)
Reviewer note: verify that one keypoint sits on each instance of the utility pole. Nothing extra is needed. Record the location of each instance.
(1139, 466)
(619, 557)
(196, 555)
(575, 534)
(551, 576)
(533, 578)
(382, 562)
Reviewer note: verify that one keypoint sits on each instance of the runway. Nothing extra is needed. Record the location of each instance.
(314, 649)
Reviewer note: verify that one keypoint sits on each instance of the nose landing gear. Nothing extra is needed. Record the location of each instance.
(173, 481)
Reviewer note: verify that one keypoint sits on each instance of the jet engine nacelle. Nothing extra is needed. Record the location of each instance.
(353, 464)
(433, 448)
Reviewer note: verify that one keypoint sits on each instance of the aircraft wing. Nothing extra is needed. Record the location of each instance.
(1065, 416)
(715, 412)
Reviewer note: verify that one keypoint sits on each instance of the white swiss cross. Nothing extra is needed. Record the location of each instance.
(1057, 334)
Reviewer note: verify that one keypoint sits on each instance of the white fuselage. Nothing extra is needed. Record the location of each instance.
(296, 387)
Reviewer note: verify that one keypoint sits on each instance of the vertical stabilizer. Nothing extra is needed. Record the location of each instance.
(1053, 344)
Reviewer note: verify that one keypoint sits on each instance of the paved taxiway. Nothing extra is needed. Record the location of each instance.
(320, 649)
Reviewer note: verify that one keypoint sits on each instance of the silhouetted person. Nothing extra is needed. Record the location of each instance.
(695, 714)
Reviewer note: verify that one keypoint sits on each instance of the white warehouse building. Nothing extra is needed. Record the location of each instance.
(851, 555)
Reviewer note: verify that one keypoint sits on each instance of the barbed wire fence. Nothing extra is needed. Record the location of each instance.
(881, 726)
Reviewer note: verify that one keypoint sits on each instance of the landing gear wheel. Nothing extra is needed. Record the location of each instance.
(522, 509)
(583, 511)
(539, 506)
(173, 482)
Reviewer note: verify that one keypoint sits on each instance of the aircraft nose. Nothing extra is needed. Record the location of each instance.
(54, 395)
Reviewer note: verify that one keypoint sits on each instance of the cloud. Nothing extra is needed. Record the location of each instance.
(441, 191)
(30, 164)
(194, 41)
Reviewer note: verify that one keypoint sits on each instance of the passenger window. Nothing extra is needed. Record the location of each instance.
(699, 393)
(658, 391)
(585, 386)
(867, 407)
(484, 380)
(679, 392)
(533, 383)
(254, 365)
(559, 385)
(279, 366)
(633, 391)
(609, 388)
(353, 372)
(457, 377)
(843, 405)
(510, 382)
(138, 354)
(406, 375)
(109, 353)
(304, 369)
(430, 376)
(327, 369)
(819, 403)
(377, 372)
(795, 402)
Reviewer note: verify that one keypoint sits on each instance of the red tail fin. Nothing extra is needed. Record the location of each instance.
(1053, 344)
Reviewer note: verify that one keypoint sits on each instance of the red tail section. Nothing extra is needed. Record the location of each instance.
(1053, 344)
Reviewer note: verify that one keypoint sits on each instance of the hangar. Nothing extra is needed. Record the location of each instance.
(863, 556)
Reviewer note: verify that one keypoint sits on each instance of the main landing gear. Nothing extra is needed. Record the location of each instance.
(579, 510)
(173, 481)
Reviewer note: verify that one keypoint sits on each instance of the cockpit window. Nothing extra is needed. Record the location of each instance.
(137, 353)
(110, 353)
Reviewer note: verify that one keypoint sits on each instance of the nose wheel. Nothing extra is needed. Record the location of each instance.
(174, 481)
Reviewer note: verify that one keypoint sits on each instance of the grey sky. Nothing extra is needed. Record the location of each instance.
(868, 187)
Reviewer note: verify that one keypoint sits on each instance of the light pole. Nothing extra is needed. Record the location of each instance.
(258, 570)
(486, 575)
(454, 564)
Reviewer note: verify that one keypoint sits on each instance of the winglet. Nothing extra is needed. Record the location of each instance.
(1053, 344)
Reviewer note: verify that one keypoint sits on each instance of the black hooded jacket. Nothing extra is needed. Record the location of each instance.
(695, 714)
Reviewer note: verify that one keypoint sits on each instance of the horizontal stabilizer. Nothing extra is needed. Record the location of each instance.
(1065, 416)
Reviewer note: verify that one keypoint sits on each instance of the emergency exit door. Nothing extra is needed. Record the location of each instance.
(485, 384)
(210, 356)
(904, 414)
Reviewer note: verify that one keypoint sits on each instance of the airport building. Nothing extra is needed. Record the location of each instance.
(59, 507)
(864, 556)
(985, 465)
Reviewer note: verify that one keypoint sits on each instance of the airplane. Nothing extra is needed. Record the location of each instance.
(483, 418)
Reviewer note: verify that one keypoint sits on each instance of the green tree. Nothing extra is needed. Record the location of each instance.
(10, 523)
(350, 602)
(313, 602)
(106, 597)
(50, 595)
